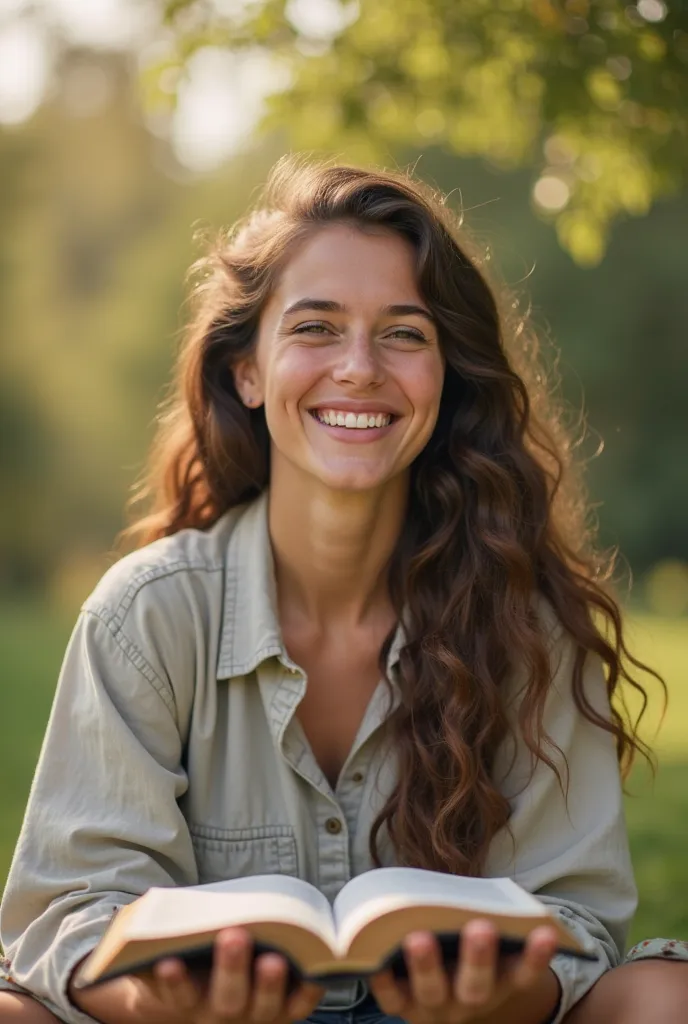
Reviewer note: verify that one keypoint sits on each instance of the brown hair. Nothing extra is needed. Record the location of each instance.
(497, 508)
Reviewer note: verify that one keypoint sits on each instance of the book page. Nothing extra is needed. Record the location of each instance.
(187, 910)
(378, 891)
(285, 885)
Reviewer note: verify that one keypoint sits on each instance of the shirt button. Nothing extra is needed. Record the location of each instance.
(357, 776)
(333, 826)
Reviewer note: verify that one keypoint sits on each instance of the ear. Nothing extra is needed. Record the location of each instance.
(248, 384)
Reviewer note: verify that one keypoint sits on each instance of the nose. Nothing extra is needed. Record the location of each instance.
(359, 362)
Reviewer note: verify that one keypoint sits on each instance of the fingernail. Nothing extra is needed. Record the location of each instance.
(272, 964)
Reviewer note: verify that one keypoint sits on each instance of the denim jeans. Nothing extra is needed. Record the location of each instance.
(367, 1012)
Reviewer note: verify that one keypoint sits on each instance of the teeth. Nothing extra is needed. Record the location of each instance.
(360, 421)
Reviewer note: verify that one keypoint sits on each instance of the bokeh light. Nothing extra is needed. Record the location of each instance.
(551, 193)
(652, 10)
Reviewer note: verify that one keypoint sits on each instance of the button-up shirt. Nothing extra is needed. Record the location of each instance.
(173, 756)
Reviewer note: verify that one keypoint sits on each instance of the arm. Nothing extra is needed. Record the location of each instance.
(102, 823)
(573, 855)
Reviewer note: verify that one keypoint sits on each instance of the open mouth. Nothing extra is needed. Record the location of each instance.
(352, 420)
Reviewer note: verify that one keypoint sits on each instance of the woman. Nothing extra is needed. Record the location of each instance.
(359, 483)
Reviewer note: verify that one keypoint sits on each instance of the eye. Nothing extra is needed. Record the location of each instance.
(316, 327)
(407, 334)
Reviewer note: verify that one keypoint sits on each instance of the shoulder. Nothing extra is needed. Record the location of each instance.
(176, 572)
(578, 678)
(163, 605)
(564, 651)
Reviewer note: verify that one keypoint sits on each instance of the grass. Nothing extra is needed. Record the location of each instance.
(657, 820)
(663, 644)
(32, 642)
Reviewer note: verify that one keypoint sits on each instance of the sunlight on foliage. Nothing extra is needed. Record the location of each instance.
(493, 81)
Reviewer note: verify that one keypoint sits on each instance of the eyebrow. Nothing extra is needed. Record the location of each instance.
(329, 306)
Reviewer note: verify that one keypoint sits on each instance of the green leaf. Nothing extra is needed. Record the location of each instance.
(496, 81)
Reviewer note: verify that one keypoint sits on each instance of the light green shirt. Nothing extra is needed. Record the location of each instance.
(173, 756)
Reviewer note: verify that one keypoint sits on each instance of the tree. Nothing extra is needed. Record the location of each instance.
(592, 95)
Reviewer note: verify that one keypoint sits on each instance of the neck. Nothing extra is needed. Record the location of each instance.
(332, 549)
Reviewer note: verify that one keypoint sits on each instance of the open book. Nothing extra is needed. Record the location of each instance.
(354, 937)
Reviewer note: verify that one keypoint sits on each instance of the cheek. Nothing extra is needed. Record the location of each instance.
(288, 378)
(423, 383)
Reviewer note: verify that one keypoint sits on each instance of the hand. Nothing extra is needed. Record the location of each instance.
(481, 984)
(230, 994)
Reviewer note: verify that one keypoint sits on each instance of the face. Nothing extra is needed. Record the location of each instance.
(347, 362)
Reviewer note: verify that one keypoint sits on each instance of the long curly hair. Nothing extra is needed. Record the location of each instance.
(497, 510)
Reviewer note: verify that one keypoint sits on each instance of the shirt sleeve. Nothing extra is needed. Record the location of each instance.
(572, 853)
(102, 822)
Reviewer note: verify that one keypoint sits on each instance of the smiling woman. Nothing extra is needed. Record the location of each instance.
(327, 368)
(361, 626)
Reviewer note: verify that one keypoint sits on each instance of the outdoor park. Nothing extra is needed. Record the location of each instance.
(128, 131)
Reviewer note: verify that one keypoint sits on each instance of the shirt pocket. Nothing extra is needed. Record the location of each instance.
(224, 853)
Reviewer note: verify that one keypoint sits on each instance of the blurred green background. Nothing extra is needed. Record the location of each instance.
(126, 128)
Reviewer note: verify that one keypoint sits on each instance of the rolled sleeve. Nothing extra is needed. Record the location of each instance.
(572, 853)
(577, 977)
(103, 822)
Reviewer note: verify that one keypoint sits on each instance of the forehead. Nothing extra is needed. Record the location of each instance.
(345, 263)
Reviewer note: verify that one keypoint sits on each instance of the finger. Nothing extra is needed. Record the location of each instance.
(427, 976)
(230, 981)
(475, 978)
(506, 962)
(392, 996)
(539, 950)
(174, 986)
(302, 1002)
(269, 987)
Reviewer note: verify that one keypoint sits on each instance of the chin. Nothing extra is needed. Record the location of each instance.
(350, 479)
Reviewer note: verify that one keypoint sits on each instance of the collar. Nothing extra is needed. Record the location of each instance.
(250, 626)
